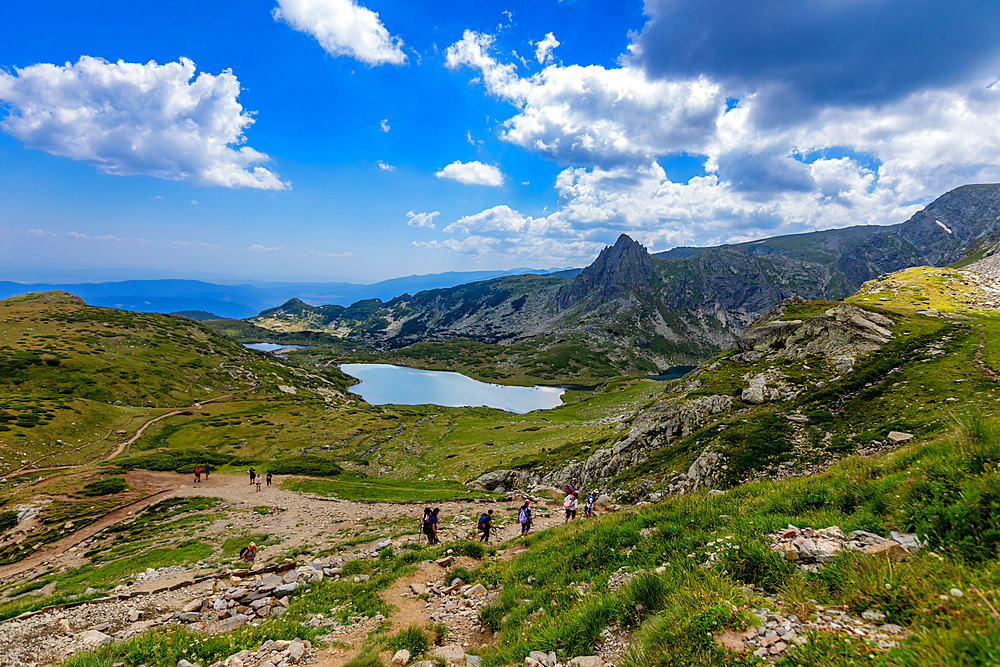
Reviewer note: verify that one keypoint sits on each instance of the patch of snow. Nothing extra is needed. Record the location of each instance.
(943, 226)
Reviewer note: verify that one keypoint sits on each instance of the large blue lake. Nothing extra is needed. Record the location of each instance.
(383, 384)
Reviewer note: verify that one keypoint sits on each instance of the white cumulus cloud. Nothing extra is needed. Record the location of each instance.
(384, 124)
(385, 166)
(343, 28)
(746, 178)
(593, 115)
(129, 118)
(472, 173)
(544, 48)
(422, 219)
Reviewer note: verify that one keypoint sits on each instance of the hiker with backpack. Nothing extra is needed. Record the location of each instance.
(524, 518)
(206, 469)
(249, 553)
(484, 525)
(197, 474)
(426, 526)
(434, 524)
(253, 475)
(570, 504)
(269, 478)
(588, 508)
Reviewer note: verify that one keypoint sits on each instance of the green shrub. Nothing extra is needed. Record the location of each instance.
(460, 573)
(413, 639)
(179, 460)
(645, 594)
(365, 659)
(104, 487)
(8, 520)
(757, 564)
(471, 549)
(439, 632)
(754, 444)
(314, 466)
(685, 636)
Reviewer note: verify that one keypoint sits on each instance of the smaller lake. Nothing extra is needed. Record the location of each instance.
(384, 384)
(673, 373)
(271, 347)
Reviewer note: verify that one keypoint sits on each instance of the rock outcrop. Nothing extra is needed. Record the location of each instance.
(840, 334)
(654, 428)
(657, 427)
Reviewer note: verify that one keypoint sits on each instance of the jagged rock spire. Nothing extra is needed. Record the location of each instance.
(619, 268)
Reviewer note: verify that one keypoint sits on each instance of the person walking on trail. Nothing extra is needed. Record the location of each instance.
(269, 478)
(588, 508)
(249, 553)
(197, 474)
(253, 475)
(484, 525)
(570, 504)
(427, 525)
(524, 518)
(206, 469)
(434, 523)
(259, 481)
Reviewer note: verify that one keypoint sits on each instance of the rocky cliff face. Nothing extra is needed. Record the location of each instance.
(619, 269)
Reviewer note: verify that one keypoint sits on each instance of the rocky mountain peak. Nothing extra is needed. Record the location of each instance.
(619, 268)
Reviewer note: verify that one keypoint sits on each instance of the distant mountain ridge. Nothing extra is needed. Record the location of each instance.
(653, 311)
(244, 300)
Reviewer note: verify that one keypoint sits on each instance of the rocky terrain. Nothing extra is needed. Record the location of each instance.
(836, 336)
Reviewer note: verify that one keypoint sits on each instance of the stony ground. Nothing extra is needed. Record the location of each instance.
(297, 520)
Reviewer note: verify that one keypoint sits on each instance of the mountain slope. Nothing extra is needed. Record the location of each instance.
(650, 312)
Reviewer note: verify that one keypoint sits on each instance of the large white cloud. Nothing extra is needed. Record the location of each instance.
(130, 118)
(598, 204)
(472, 173)
(343, 28)
(593, 115)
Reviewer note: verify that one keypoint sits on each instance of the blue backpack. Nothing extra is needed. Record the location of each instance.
(484, 521)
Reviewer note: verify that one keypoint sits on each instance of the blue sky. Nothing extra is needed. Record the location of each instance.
(332, 140)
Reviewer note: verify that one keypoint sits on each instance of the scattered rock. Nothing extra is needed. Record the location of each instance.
(452, 655)
(94, 638)
(889, 550)
(812, 548)
(729, 640)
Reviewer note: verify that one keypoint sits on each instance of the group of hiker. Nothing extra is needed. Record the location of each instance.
(256, 478)
(485, 525)
(572, 501)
